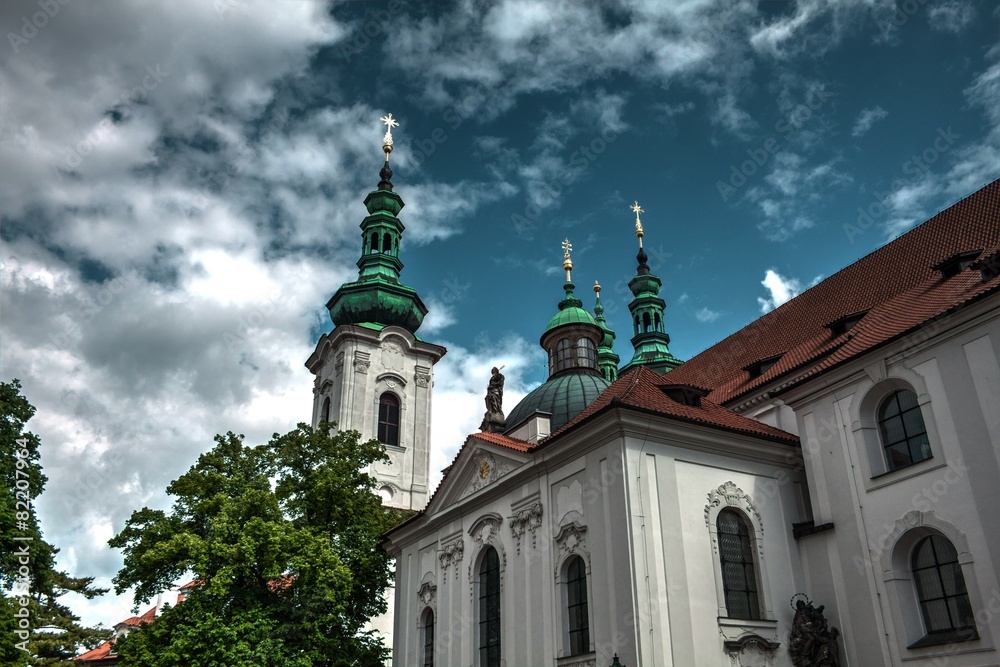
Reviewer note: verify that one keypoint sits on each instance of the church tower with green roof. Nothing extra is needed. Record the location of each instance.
(571, 340)
(372, 372)
(651, 341)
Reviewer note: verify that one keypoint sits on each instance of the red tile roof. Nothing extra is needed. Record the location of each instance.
(897, 285)
(136, 621)
(643, 389)
(100, 654)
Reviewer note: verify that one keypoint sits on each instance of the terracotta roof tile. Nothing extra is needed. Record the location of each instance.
(897, 284)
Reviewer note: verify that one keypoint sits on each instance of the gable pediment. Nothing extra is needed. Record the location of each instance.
(479, 465)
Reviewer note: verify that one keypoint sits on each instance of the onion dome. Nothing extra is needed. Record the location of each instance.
(575, 381)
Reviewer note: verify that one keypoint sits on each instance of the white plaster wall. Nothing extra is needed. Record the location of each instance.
(954, 370)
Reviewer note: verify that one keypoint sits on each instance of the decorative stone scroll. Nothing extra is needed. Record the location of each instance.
(427, 594)
(451, 554)
(422, 376)
(730, 495)
(528, 518)
(361, 362)
(338, 364)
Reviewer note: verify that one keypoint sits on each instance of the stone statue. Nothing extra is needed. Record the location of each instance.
(811, 642)
(494, 420)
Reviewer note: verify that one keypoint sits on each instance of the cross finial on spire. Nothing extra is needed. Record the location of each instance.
(389, 123)
(567, 261)
(638, 223)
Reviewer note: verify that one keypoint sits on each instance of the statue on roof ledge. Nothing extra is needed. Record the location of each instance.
(494, 420)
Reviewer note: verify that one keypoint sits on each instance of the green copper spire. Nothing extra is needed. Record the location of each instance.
(651, 342)
(607, 360)
(377, 298)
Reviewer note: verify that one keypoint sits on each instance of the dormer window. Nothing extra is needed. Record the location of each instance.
(844, 324)
(761, 366)
(685, 394)
(955, 264)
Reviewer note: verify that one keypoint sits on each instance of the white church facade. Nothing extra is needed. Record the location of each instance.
(818, 488)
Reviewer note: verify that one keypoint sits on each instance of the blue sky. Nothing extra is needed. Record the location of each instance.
(182, 189)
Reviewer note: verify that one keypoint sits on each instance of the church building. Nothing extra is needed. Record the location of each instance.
(815, 489)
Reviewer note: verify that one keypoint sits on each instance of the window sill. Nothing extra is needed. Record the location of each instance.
(943, 638)
(898, 475)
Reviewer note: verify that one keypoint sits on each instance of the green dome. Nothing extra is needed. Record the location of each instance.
(564, 397)
(570, 312)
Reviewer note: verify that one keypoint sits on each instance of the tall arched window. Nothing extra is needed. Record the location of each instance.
(374, 244)
(324, 414)
(646, 323)
(387, 243)
(576, 606)
(739, 574)
(388, 419)
(429, 638)
(944, 600)
(901, 427)
(489, 609)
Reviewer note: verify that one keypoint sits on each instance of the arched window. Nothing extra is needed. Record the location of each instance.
(585, 353)
(387, 243)
(944, 600)
(658, 322)
(429, 638)
(739, 574)
(901, 428)
(576, 606)
(489, 609)
(324, 414)
(374, 245)
(646, 322)
(388, 419)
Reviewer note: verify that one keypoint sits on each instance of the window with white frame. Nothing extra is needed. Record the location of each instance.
(902, 431)
(489, 609)
(739, 569)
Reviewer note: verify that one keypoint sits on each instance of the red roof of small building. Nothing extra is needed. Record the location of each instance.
(97, 655)
(897, 286)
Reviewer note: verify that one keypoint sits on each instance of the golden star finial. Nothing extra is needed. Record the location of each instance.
(389, 123)
(638, 223)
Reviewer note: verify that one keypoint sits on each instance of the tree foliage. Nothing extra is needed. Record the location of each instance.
(283, 539)
(28, 571)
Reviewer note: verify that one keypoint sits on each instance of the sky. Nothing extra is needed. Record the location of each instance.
(181, 186)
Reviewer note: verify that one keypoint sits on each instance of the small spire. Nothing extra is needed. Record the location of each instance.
(567, 261)
(598, 308)
(386, 172)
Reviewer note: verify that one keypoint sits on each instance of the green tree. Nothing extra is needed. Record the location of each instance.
(37, 628)
(284, 540)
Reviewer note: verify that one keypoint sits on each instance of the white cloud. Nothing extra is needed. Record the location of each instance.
(951, 16)
(704, 314)
(781, 289)
(866, 119)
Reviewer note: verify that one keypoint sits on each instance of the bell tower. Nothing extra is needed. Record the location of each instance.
(372, 373)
